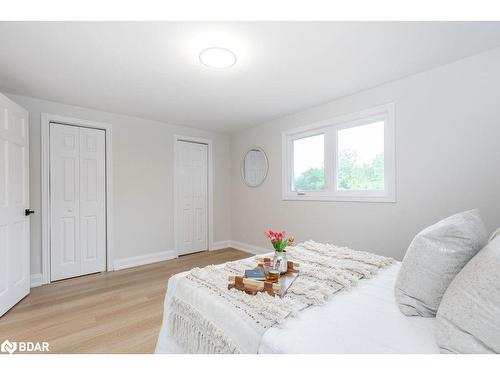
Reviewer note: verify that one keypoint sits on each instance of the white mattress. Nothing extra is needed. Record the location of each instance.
(364, 319)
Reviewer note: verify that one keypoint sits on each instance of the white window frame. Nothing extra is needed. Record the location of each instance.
(330, 129)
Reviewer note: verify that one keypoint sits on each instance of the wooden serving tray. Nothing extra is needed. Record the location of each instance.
(251, 286)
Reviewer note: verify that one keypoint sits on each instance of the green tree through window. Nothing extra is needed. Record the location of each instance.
(311, 179)
(352, 174)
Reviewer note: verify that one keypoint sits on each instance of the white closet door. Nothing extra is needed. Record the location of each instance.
(92, 200)
(14, 199)
(192, 187)
(64, 207)
(77, 201)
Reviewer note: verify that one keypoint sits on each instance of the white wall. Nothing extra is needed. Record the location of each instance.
(142, 178)
(448, 160)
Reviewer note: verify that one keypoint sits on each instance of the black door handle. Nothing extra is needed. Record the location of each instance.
(28, 212)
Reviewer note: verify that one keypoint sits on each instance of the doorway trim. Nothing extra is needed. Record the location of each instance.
(45, 120)
(177, 219)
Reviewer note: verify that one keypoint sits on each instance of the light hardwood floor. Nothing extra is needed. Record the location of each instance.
(111, 312)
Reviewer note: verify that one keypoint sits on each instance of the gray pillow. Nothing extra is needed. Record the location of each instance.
(435, 256)
(468, 319)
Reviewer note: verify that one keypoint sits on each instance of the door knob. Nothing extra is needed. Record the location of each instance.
(28, 212)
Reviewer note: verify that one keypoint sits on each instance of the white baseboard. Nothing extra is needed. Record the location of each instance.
(252, 249)
(120, 264)
(221, 245)
(36, 280)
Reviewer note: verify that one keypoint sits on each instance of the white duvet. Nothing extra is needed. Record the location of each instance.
(365, 319)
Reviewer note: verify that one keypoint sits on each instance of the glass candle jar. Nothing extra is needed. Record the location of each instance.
(273, 276)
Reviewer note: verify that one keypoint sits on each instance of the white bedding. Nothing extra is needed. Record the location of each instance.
(365, 319)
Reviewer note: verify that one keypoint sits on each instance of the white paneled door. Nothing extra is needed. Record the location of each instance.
(192, 192)
(77, 201)
(14, 205)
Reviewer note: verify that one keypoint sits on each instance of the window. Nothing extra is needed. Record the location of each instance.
(309, 163)
(350, 158)
(360, 158)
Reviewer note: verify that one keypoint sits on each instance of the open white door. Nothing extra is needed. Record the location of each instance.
(14, 204)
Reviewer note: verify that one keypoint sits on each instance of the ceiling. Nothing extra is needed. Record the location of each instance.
(151, 69)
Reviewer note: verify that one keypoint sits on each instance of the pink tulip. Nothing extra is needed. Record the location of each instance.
(278, 239)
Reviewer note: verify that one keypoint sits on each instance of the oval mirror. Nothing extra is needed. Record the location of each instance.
(255, 166)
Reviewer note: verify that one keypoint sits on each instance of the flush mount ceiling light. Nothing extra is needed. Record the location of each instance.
(217, 58)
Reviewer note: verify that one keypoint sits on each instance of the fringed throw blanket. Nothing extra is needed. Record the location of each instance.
(206, 317)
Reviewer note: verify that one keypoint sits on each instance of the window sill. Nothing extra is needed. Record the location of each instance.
(339, 198)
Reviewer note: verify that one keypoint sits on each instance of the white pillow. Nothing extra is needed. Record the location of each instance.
(468, 319)
(435, 256)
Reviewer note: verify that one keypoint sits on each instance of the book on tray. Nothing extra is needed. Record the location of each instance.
(255, 274)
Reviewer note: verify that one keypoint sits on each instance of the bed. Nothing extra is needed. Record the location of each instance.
(365, 319)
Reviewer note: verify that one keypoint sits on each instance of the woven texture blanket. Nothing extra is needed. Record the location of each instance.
(206, 317)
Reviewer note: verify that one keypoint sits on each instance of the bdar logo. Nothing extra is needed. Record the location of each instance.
(8, 347)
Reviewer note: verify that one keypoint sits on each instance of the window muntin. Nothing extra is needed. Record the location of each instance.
(358, 157)
(309, 163)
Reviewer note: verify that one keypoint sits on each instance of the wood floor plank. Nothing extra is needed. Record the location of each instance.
(110, 312)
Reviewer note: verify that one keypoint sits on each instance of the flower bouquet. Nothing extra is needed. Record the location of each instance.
(279, 242)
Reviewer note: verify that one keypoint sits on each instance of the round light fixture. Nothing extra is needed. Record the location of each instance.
(217, 58)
